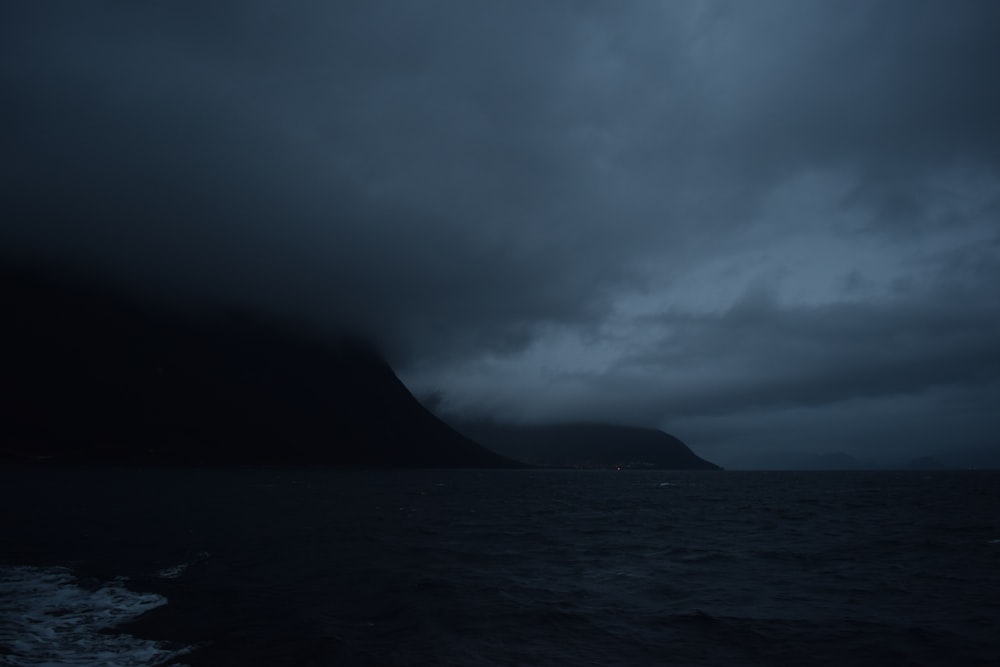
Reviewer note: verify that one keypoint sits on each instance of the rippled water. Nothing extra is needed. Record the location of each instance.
(527, 567)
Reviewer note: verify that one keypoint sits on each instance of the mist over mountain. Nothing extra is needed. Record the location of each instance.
(586, 445)
(839, 460)
(765, 225)
(92, 375)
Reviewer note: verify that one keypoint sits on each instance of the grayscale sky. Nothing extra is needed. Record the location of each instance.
(762, 226)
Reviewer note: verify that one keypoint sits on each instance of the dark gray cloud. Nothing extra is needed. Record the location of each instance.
(703, 215)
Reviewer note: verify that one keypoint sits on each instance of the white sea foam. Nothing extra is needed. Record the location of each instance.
(47, 619)
(173, 572)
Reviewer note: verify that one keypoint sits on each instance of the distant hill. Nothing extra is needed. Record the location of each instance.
(587, 445)
(926, 463)
(792, 460)
(91, 376)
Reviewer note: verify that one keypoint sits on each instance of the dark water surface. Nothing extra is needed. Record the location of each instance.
(302, 567)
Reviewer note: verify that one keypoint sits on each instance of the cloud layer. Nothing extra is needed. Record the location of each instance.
(733, 220)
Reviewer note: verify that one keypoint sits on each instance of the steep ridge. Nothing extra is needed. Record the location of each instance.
(94, 376)
(587, 445)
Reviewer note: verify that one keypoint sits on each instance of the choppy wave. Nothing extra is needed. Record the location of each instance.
(488, 569)
(48, 617)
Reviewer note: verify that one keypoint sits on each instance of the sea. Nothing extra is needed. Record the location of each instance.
(272, 567)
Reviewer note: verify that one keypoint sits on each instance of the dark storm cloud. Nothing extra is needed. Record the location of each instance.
(778, 356)
(761, 354)
(406, 162)
(638, 211)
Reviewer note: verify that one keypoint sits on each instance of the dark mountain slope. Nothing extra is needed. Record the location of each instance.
(587, 445)
(93, 377)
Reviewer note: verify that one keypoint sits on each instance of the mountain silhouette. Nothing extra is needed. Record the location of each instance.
(586, 445)
(92, 375)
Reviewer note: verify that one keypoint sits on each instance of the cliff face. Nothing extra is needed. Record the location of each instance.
(586, 445)
(95, 378)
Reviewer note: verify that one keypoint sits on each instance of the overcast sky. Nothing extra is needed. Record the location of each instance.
(761, 226)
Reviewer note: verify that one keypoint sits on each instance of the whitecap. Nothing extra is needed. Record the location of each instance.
(47, 618)
(172, 572)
